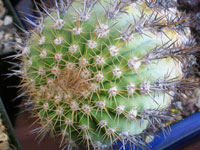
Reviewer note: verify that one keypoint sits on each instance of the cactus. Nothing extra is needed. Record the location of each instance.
(101, 71)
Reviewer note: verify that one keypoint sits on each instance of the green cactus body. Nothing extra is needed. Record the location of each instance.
(90, 73)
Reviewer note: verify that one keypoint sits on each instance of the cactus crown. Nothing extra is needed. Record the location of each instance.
(100, 71)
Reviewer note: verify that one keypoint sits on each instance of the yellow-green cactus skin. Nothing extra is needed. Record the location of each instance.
(96, 71)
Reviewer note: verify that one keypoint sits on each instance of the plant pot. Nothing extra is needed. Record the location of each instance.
(9, 129)
(182, 133)
(7, 90)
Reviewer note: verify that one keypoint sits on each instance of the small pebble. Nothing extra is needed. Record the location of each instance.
(7, 31)
(8, 36)
(7, 20)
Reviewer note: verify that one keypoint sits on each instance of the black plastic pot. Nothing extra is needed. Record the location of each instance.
(7, 90)
(13, 142)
